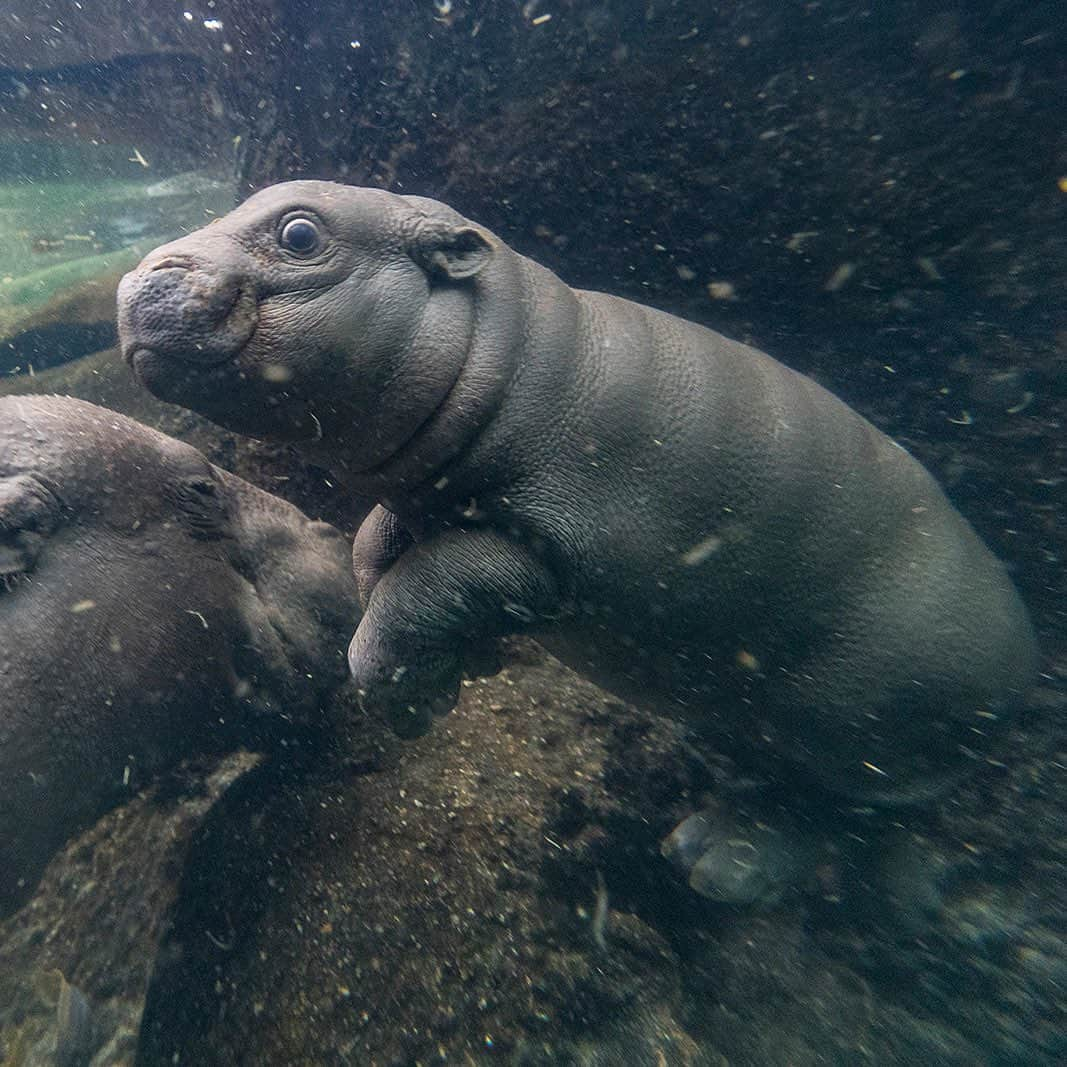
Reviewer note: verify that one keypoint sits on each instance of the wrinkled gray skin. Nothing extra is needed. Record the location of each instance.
(150, 604)
(678, 516)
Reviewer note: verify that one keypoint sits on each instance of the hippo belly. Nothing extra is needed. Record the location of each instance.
(788, 579)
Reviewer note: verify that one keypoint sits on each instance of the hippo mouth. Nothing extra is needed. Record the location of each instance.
(269, 404)
(147, 361)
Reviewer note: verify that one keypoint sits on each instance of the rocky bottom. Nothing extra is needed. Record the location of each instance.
(495, 892)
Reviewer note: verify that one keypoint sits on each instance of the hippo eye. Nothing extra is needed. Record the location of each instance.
(300, 236)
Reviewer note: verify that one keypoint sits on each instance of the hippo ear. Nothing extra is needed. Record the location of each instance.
(29, 512)
(449, 251)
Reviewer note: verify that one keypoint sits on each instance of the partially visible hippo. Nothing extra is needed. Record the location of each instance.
(151, 606)
(678, 516)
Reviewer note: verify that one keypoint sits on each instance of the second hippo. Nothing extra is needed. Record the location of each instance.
(676, 515)
(152, 606)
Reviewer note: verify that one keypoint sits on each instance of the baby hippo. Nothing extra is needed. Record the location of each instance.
(679, 517)
(151, 605)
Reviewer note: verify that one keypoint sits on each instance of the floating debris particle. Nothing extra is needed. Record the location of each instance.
(138, 158)
(1062, 184)
(1027, 400)
(81, 606)
(796, 242)
(840, 277)
(875, 770)
(599, 924)
(929, 268)
(276, 372)
(701, 550)
(746, 661)
(540, 20)
(722, 291)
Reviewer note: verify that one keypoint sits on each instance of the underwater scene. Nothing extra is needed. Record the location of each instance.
(533, 532)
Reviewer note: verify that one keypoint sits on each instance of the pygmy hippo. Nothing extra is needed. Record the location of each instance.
(150, 604)
(678, 516)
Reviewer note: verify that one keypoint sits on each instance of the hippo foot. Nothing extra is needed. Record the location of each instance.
(736, 859)
(407, 690)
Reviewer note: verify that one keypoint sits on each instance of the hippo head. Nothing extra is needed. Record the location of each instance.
(151, 607)
(314, 310)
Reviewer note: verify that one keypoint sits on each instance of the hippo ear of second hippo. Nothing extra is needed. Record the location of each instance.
(451, 252)
(29, 512)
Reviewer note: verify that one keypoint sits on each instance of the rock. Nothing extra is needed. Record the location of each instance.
(97, 915)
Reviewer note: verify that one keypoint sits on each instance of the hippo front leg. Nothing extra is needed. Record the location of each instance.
(380, 541)
(440, 604)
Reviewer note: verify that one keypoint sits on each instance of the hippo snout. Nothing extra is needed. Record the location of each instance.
(174, 307)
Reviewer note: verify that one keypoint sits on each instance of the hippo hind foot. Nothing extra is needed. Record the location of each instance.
(740, 860)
